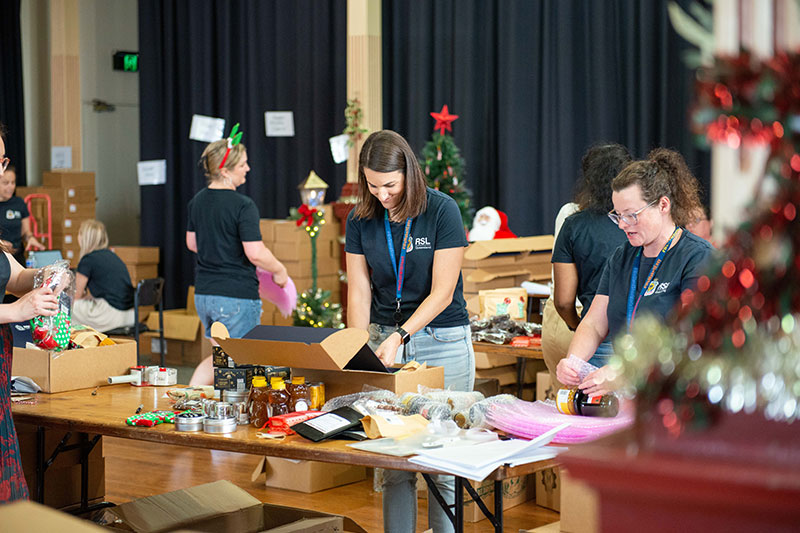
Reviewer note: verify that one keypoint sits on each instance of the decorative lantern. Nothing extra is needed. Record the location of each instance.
(312, 190)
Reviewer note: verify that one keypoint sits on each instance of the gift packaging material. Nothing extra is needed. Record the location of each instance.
(234, 396)
(189, 422)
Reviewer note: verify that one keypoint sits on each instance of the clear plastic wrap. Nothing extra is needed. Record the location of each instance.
(531, 419)
(420, 404)
(475, 415)
(457, 400)
(381, 397)
(53, 332)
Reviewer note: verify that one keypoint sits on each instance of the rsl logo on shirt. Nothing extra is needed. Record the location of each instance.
(656, 288)
(420, 243)
(13, 214)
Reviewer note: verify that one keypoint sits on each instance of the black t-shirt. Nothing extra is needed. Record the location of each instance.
(439, 227)
(222, 219)
(587, 239)
(108, 278)
(12, 212)
(679, 270)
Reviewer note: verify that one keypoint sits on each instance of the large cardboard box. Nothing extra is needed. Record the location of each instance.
(580, 507)
(67, 178)
(74, 369)
(183, 332)
(339, 358)
(137, 255)
(221, 506)
(31, 516)
(544, 387)
(306, 476)
(516, 490)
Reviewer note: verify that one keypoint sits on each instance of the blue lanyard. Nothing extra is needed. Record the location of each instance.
(632, 307)
(399, 271)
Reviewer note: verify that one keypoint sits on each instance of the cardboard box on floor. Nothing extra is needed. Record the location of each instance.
(184, 333)
(548, 481)
(306, 476)
(580, 509)
(74, 369)
(338, 358)
(32, 516)
(221, 506)
(516, 490)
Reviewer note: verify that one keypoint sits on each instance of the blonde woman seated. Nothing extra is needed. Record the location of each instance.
(103, 289)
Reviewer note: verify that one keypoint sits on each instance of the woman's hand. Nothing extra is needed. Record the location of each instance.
(33, 244)
(387, 351)
(601, 381)
(281, 278)
(38, 302)
(566, 374)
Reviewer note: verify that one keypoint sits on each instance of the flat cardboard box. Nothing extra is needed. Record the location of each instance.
(302, 267)
(580, 510)
(221, 506)
(67, 178)
(507, 375)
(485, 361)
(338, 358)
(498, 252)
(289, 231)
(301, 250)
(74, 369)
(137, 255)
(32, 516)
(306, 476)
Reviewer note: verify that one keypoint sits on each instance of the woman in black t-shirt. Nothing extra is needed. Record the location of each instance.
(15, 220)
(103, 289)
(653, 199)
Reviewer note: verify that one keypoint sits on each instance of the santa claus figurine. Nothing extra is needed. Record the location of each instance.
(488, 224)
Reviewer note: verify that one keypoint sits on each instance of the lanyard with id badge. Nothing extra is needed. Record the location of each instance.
(399, 269)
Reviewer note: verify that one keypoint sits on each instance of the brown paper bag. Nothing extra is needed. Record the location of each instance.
(377, 426)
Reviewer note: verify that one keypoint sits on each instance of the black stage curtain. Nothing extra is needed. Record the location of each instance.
(12, 109)
(236, 60)
(535, 84)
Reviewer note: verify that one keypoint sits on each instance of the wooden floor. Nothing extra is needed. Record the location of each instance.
(135, 469)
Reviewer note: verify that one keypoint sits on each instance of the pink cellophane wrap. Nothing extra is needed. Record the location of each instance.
(284, 298)
(531, 419)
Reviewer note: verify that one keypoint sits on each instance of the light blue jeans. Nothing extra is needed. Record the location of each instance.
(452, 349)
(602, 354)
(238, 314)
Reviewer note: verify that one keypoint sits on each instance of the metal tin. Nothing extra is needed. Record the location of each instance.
(189, 421)
(234, 396)
(219, 425)
(241, 413)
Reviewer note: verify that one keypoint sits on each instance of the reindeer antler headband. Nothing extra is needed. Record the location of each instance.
(233, 139)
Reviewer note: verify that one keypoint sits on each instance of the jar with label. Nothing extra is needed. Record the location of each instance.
(298, 394)
(577, 402)
(316, 395)
(259, 402)
(278, 397)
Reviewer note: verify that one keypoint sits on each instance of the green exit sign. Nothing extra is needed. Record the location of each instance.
(126, 61)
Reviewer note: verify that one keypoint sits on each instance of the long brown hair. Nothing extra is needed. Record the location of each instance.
(387, 151)
(664, 173)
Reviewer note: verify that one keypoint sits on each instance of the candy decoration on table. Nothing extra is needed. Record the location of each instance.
(233, 139)
(53, 332)
(444, 167)
(153, 418)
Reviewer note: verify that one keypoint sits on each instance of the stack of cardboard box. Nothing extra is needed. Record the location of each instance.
(72, 200)
(292, 246)
(503, 368)
(141, 261)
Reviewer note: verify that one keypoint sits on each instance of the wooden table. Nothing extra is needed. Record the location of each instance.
(522, 355)
(105, 414)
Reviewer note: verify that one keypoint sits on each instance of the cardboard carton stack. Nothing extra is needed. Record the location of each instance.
(183, 333)
(72, 196)
(504, 263)
(503, 368)
(292, 246)
(141, 261)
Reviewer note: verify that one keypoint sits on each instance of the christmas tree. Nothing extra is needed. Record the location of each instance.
(444, 166)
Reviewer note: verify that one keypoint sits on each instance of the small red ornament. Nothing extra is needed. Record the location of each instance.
(443, 120)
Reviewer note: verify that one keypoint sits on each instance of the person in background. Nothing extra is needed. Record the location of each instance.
(700, 224)
(103, 289)
(584, 243)
(32, 302)
(405, 244)
(15, 220)
(223, 230)
(652, 200)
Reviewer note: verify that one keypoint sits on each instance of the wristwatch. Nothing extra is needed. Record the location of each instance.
(404, 335)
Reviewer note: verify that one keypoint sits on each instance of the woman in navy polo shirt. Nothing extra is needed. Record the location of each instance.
(653, 200)
(405, 244)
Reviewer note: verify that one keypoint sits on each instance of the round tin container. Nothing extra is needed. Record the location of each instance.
(234, 396)
(219, 425)
(189, 421)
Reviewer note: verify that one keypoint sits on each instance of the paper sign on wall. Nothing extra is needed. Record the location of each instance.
(279, 123)
(206, 129)
(339, 149)
(152, 172)
(60, 157)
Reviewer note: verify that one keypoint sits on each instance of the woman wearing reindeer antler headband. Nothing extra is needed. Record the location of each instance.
(223, 231)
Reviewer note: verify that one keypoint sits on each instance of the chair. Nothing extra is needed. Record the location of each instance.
(148, 292)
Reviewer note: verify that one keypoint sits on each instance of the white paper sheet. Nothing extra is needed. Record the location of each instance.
(279, 123)
(60, 157)
(206, 129)
(339, 149)
(152, 172)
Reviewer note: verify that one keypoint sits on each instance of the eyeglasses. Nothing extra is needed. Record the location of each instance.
(4, 164)
(631, 219)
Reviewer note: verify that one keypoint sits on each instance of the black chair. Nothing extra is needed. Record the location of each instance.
(148, 292)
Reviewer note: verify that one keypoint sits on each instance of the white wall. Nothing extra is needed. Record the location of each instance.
(110, 140)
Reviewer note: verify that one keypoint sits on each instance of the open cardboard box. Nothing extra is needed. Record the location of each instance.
(183, 331)
(221, 507)
(305, 476)
(74, 369)
(31, 516)
(340, 358)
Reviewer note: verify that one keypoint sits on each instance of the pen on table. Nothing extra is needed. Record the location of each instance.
(94, 392)
(139, 409)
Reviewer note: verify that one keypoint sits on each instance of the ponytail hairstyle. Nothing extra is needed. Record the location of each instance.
(212, 157)
(92, 236)
(664, 173)
(599, 166)
(387, 151)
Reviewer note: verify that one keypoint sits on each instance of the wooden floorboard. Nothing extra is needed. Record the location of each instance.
(135, 469)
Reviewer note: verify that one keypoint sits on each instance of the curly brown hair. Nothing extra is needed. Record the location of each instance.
(599, 166)
(663, 173)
